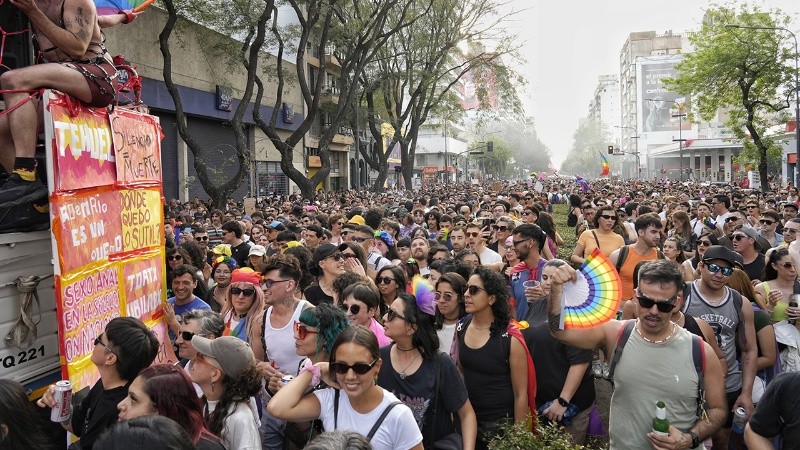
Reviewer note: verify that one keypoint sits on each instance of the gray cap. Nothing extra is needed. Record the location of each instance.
(751, 233)
(232, 353)
(719, 252)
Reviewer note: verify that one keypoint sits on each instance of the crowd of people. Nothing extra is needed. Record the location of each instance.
(429, 319)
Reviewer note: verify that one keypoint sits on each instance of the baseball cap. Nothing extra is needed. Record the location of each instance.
(257, 250)
(321, 252)
(276, 225)
(722, 253)
(357, 219)
(751, 233)
(232, 353)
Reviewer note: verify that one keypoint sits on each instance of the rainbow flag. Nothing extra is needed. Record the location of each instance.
(606, 168)
(583, 183)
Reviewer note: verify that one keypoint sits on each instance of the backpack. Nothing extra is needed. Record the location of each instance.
(698, 357)
(741, 336)
(623, 255)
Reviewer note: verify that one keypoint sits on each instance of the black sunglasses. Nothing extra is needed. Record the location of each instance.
(354, 309)
(384, 280)
(663, 306)
(392, 314)
(187, 336)
(473, 290)
(614, 217)
(359, 368)
(247, 292)
(175, 258)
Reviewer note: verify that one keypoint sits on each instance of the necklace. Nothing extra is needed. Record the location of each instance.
(674, 332)
(403, 349)
(403, 372)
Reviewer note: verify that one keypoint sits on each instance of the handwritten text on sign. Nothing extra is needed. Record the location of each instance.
(143, 281)
(138, 147)
(141, 221)
(89, 228)
(90, 302)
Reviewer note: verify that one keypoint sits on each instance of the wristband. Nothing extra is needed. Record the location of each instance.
(695, 438)
(314, 370)
(563, 402)
(129, 15)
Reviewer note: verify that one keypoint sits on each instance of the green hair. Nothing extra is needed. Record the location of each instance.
(329, 322)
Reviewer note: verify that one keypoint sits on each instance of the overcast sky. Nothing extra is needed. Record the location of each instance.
(569, 44)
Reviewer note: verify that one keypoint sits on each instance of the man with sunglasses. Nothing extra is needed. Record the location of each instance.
(657, 364)
(731, 317)
(528, 240)
(746, 243)
(197, 322)
(477, 243)
(769, 222)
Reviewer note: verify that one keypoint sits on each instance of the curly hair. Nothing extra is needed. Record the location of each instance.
(234, 391)
(345, 279)
(304, 256)
(329, 322)
(424, 338)
(495, 285)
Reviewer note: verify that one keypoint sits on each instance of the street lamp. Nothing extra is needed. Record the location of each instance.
(635, 153)
(680, 139)
(796, 92)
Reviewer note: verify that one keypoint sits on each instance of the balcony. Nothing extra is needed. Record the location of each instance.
(344, 136)
(329, 95)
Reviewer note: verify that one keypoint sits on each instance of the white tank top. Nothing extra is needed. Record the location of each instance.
(279, 342)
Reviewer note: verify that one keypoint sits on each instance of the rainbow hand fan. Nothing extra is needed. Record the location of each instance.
(109, 7)
(594, 298)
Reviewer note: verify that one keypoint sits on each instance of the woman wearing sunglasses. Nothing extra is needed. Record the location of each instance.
(167, 391)
(414, 370)
(326, 264)
(354, 401)
(781, 283)
(225, 370)
(602, 236)
(702, 244)
(243, 313)
(315, 331)
(221, 272)
(391, 280)
(493, 356)
(360, 303)
(449, 308)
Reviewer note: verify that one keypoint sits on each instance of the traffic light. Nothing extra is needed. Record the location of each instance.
(610, 149)
(490, 146)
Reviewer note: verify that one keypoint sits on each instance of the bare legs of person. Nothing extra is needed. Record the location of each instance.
(19, 128)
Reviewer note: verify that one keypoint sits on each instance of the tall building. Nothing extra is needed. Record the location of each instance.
(639, 48)
(605, 106)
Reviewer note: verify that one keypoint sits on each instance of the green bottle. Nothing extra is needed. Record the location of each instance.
(660, 422)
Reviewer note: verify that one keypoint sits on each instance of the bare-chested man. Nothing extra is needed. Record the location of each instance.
(76, 62)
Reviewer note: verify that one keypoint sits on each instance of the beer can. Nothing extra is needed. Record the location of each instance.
(286, 379)
(62, 409)
(739, 420)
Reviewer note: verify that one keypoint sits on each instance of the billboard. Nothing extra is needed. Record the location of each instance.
(658, 107)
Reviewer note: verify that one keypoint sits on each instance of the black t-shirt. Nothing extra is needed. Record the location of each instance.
(97, 412)
(315, 295)
(240, 253)
(755, 270)
(417, 391)
(778, 412)
(552, 359)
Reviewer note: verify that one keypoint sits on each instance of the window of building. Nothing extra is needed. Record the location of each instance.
(336, 162)
(270, 179)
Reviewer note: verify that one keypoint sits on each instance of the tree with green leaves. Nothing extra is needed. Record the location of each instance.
(744, 72)
(345, 34)
(414, 77)
(583, 158)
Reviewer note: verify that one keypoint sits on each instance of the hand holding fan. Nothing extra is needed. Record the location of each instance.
(594, 298)
(109, 7)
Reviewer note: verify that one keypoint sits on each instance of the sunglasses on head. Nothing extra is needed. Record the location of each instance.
(359, 368)
(246, 292)
(392, 314)
(714, 268)
(663, 306)
(473, 290)
(384, 280)
(354, 309)
(175, 258)
(301, 330)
